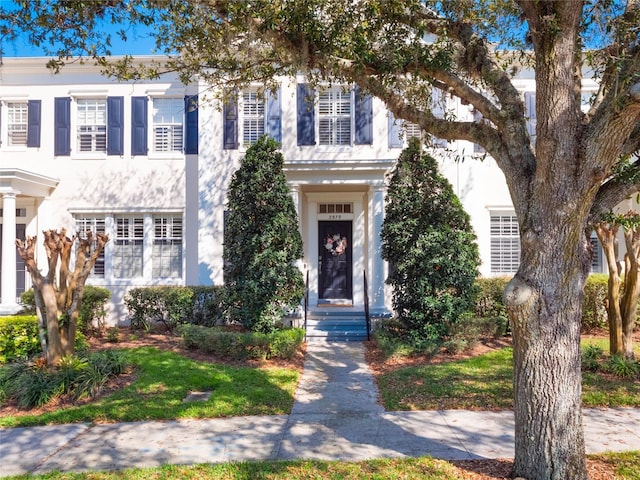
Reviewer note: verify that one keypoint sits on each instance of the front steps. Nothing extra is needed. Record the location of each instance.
(338, 325)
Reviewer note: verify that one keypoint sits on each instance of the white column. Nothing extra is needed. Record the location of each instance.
(378, 272)
(8, 250)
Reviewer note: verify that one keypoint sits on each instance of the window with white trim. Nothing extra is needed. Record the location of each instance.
(128, 246)
(412, 130)
(168, 121)
(334, 117)
(95, 225)
(253, 116)
(92, 124)
(597, 260)
(167, 246)
(145, 246)
(505, 244)
(17, 120)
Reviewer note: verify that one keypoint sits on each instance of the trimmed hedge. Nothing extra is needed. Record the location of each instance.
(91, 314)
(236, 345)
(19, 338)
(489, 302)
(173, 306)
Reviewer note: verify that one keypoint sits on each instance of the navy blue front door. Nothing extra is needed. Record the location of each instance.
(334, 260)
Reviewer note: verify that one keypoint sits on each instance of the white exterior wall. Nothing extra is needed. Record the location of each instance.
(54, 188)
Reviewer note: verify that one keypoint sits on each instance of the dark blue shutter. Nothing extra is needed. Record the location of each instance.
(34, 110)
(62, 126)
(115, 125)
(395, 132)
(364, 118)
(274, 116)
(230, 119)
(139, 135)
(306, 115)
(191, 124)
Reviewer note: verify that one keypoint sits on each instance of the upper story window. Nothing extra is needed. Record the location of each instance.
(249, 115)
(253, 116)
(20, 123)
(334, 117)
(17, 119)
(168, 118)
(92, 125)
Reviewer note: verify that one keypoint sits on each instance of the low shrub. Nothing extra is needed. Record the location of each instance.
(174, 305)
(237, 345)
(91, 314)
(623, 367)
(33, 384)
(489, 302)
(19, 338)
(594, 312)
(592, 357)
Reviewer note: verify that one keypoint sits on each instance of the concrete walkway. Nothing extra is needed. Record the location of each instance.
(335, 416)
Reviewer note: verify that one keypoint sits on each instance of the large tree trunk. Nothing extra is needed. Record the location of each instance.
(544, 302)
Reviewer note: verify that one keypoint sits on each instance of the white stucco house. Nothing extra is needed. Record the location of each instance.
(149, 162)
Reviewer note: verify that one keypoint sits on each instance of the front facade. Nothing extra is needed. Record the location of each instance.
(149, 163)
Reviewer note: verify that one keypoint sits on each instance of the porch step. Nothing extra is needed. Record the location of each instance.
(342, 326)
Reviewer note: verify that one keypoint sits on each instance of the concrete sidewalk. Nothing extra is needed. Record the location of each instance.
(335, 416)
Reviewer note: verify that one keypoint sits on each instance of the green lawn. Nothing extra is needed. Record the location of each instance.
(625, 465)
(485, 382)
(163, 380)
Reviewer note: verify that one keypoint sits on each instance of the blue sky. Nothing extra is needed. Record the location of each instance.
(140, 44)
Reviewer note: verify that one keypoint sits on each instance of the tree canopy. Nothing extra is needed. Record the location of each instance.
(580, 166)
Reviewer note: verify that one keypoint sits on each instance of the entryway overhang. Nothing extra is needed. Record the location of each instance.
(16, 183)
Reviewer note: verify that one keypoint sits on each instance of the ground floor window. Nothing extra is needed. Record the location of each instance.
(505, 244)
(141, 245)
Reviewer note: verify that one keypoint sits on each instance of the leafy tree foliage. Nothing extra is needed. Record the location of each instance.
(400, 51)
(428, 240)
(261, 241)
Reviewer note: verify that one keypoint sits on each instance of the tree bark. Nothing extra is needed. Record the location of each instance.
(631, 293)
(58, 295)
(549, 441)
(607, 233)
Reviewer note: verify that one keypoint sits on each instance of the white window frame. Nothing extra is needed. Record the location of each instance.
(167, 129)
(504, 243)
(17, 123)
(332, 117)
(598, 260)
(134, 246)
(97, 224)
(128, 252)
(91, 125)
(168, 246)
(253, 112)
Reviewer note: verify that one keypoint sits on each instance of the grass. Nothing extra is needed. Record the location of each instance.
(624, 465)
(485, 383)
(163, 380)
